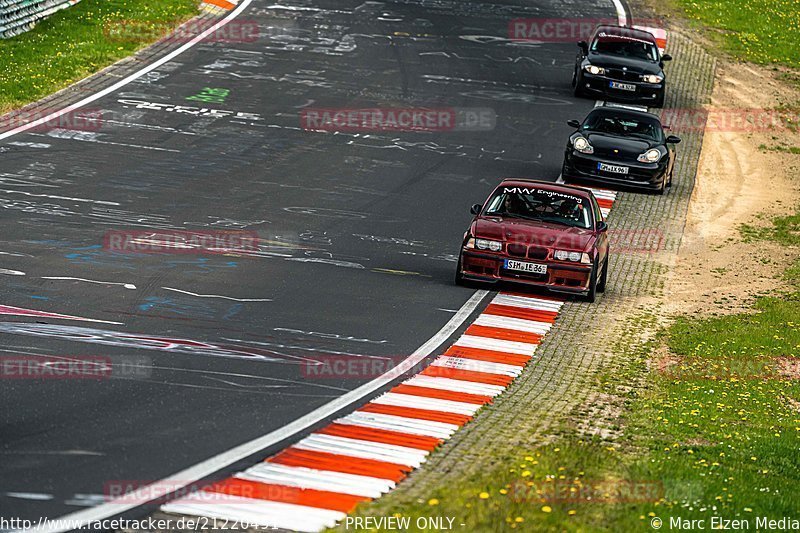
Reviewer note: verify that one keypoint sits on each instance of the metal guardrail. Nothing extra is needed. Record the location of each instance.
(19, 16)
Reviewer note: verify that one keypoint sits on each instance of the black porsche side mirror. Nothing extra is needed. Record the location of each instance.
(673, 139)
(602, 227)
(574, 123)
(475, 209)
(584, 46)
(666, 57)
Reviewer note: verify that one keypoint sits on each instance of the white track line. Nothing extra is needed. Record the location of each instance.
(621, 16)
(130, 286)
(218, 296)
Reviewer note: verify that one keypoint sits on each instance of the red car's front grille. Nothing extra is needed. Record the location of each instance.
(517, 250)
(536, 252)
(531, 252)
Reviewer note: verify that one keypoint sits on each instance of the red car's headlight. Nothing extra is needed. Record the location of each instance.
(565, 255)
(485, 244)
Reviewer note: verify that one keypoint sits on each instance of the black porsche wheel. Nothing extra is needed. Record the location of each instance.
(663, 188)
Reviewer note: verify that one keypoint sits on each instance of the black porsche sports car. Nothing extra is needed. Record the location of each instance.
(620, 146)
(622, 64)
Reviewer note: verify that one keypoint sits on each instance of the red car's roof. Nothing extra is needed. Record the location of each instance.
(546, 185)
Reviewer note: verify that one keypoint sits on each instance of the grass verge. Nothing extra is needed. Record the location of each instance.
(79, 41)
(711, 435)
(764, 32)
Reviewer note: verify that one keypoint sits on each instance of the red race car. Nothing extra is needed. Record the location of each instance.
(540, 234)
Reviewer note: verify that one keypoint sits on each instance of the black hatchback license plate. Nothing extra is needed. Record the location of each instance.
(622, 86)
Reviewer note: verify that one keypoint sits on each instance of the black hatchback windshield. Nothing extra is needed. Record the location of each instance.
(625, 46)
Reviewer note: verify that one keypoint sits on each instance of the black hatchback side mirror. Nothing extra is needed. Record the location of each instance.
(574, 123)
(584, 46)
(475, 209)
(666, 57)
(673, 139)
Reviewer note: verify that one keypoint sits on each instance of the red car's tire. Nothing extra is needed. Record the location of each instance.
(601, 284)
(591, 296)
(459, 278)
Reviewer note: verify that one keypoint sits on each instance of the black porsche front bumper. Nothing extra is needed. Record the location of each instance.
(585, 167)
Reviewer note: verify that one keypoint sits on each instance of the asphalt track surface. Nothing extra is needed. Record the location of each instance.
(358, 234)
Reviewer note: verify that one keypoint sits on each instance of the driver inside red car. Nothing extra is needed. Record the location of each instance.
(570, 210)
(513, 205)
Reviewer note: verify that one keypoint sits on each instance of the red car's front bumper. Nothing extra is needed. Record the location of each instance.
(560, 276)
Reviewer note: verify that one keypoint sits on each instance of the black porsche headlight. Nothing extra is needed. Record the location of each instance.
(650, 156)
(581, 144)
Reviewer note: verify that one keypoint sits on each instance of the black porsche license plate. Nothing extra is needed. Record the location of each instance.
(522, 266)
(616, 169)
(622, 86)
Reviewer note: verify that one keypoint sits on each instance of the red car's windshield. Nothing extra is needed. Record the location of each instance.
(539, 204)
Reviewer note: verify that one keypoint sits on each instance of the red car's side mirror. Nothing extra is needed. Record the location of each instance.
(475, 209)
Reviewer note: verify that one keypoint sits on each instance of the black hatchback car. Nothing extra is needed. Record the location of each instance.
(622, 64)
(620, 146)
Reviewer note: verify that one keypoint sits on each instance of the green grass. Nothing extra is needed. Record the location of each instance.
(783, 230)
(79, 41)
(782, 149)
(761, 31)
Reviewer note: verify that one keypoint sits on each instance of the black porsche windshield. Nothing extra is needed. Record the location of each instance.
(543, 205)
(611, 123)
(625, 46)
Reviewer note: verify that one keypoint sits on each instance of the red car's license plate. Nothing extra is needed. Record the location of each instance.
(532, 268)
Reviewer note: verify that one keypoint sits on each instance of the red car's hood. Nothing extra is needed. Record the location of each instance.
(530, 232)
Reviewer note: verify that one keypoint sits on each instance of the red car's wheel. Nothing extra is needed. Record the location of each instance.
(591, 296)
(459, 277)
(601, 285)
